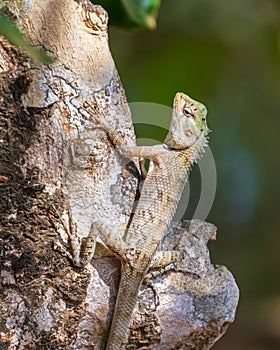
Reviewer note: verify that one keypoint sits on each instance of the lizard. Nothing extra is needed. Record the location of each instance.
(167, 174)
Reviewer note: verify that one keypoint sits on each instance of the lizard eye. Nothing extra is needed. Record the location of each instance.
(188, 112)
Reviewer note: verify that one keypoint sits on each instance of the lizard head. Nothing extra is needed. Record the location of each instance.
(188, 122)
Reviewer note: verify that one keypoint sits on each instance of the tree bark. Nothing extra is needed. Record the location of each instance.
(58, 172)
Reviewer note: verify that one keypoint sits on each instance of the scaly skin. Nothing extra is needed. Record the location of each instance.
(170, 164)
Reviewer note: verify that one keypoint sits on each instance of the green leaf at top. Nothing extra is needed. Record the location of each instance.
(143, 12)
(131, 13)
(15, 37)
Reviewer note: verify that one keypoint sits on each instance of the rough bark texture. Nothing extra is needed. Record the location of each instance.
(54, 160)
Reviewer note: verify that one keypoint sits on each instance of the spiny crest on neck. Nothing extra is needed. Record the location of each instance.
(188, 123)
(191, 155)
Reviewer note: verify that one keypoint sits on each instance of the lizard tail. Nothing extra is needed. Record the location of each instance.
(131, 280)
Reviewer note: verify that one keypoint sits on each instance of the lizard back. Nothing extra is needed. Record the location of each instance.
(160, 195)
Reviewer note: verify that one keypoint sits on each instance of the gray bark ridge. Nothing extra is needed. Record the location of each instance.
(55, 162)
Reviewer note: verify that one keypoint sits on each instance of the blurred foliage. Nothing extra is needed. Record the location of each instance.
(153, 132)
(131, 13)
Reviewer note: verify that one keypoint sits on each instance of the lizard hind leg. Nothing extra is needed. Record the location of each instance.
(165, 258)
(87, 249)
(162, 262)
(111, 237)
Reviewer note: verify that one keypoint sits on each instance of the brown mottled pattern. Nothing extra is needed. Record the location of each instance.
(160, 194)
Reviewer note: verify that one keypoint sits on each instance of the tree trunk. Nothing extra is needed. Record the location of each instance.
(58, 172)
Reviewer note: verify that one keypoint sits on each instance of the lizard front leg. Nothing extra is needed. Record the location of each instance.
(125, 149)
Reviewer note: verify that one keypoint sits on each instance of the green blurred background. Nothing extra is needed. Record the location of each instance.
(227, 55)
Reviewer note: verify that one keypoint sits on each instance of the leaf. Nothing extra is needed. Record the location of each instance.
(15, 37)
(131, 13)
(143, 12)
